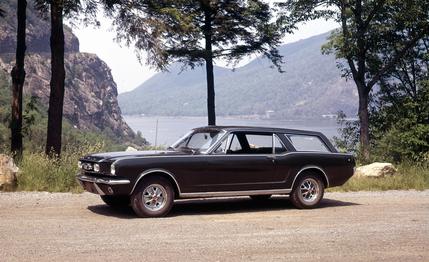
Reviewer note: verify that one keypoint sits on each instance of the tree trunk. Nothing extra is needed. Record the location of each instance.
(18, 78)
(364, 123)
(56, 98)
(209, 66)
(210, 92)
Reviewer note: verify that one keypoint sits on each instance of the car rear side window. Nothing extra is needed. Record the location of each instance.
(308, 143)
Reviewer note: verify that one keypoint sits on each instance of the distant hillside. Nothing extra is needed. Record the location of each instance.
(310, 87)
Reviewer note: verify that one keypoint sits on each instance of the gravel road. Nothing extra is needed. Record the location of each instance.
(362, 226)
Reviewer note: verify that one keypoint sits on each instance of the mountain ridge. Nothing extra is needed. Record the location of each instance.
(310, 87)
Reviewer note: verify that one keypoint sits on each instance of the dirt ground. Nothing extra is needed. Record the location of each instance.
(362, 226)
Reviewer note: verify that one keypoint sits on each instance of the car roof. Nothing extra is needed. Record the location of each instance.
(259, 129)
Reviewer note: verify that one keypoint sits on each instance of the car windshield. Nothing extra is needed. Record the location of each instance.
(199, 141)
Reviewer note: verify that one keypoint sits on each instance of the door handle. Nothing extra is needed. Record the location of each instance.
(272, 158)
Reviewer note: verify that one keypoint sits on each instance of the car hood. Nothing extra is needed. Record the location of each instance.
(129, 154)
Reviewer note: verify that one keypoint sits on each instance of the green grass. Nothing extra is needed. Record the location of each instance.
(41, 173)
(409, 176)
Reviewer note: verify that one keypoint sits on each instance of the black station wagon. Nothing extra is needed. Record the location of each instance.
(219, 161)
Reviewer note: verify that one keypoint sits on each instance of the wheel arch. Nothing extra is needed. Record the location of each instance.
(314, 169)
(158, 172)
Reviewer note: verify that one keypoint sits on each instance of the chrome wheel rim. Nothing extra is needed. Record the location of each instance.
(309, 190)
(154, 197)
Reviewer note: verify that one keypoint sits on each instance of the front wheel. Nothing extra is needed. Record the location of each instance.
(154, 197)
(308, 192)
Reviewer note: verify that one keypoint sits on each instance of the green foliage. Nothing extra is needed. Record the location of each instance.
(409, 176)
(178, 31)
(401, 127)
(5, 110)
(348, 139)
(373, 38)
(38, 172)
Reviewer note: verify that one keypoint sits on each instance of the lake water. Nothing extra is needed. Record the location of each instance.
(172, 128)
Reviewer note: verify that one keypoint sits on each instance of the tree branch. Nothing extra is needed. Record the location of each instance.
(389, 66)
(373, 13)
(346, 36)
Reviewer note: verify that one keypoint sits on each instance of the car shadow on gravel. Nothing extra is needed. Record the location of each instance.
(219, 206)
(118, 212)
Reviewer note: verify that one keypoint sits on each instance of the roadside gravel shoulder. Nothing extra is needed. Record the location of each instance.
(352, 226)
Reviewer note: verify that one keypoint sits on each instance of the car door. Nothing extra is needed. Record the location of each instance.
(243, 161)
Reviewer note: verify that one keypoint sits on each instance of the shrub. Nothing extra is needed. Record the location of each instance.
(41, 173)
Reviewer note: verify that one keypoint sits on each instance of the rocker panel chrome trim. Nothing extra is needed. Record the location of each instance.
(235, 193)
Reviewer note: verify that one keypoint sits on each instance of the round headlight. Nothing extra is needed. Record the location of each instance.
(96, 168)
(112, 169)
(79, 164)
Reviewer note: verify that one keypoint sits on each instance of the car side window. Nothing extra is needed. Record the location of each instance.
(221, 149)
(235, 146)
(279, 148)
(308, 143)
(260, 144)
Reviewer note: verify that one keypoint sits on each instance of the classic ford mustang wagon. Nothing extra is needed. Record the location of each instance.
(219, 161)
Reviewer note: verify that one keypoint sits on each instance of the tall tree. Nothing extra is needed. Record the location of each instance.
(18, 78)
(56, 98)
(58, 9)
(366, 28)
(198, 32)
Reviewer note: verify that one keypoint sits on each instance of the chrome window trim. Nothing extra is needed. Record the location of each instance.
(155, 170)
(281, 142)
(215, 145)
(310, 167)
(273, 149)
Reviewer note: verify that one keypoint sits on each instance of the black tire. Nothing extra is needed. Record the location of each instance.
(153, 197)
(307, 192)
(116, 201)
(260, 197)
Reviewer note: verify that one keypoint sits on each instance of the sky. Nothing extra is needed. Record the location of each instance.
(128, 73)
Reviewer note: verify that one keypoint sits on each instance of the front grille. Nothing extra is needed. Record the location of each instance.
(92, 158)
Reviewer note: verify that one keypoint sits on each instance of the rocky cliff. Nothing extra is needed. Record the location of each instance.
(91, 94)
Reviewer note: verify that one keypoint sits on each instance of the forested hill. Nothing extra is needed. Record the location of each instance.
(310, 87)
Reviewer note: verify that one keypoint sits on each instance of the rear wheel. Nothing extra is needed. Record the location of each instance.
(116, 201)
(308, 192)
(153, 197)
(260, 197)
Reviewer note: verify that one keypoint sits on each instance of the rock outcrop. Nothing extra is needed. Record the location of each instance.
(90, 100)
(8, 173)
(375, 170)
(37, 33)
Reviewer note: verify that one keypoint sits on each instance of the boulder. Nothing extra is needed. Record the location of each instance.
(8, 173)
(130, 149)
(376, 170)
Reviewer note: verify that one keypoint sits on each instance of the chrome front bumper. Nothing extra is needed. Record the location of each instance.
(95, 181)
(103, 180)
